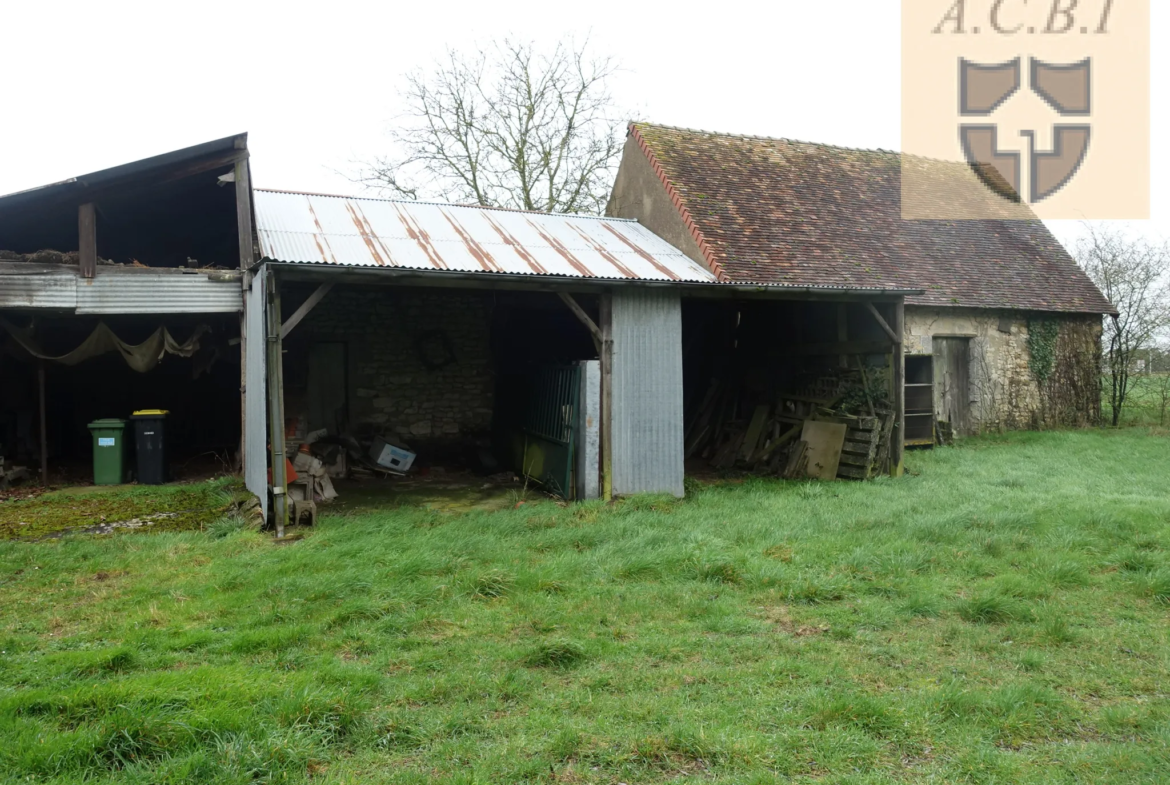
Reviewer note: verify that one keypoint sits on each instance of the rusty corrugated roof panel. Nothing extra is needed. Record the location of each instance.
(361, 232)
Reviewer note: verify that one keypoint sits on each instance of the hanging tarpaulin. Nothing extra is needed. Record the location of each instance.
(141, 357)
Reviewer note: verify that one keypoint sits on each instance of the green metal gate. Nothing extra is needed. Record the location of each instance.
(550, 425)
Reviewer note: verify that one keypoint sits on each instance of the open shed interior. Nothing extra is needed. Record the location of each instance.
(756, 371)
(175, 210)
(201, 392)
(466, 380)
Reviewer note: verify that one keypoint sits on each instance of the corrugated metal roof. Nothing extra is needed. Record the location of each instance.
(155, 165)
(118, 291)
(360, 232)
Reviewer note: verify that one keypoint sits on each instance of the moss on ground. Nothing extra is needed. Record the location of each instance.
(103, 510)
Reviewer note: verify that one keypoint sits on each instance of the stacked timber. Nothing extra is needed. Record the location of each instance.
(765, 437)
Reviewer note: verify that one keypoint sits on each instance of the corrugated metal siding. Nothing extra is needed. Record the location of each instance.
(589, 431)
(296, 227)
(40, 290)
(255, 398)
(114, 291)
(647, 393)
(162, 293)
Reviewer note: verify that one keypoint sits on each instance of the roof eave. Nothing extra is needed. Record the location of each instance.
(320, 269)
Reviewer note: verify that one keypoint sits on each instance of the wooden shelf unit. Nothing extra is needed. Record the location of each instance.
(919, 391)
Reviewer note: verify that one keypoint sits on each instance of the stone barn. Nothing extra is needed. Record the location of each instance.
(1006, 330)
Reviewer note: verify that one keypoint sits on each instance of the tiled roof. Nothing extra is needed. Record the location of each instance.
(780, 211)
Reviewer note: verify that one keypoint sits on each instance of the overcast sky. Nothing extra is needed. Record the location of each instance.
(91, 85)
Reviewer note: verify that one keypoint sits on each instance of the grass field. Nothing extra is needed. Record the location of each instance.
(1144, 404)
(999, 616)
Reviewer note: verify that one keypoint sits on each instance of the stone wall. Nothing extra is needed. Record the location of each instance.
(1004, 386)
(420, 360)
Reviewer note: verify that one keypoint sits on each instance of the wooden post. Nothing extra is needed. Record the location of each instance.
(87, 240)
(898, 377)
(244, 213)
(605, 311)
(276, 406)
(44, 433)
(247, 255)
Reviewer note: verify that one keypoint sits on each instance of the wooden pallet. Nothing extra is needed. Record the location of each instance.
(861, 457)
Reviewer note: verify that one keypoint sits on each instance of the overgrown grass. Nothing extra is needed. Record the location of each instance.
(998, 616)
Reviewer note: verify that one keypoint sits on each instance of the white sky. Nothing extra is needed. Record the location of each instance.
(90, 85)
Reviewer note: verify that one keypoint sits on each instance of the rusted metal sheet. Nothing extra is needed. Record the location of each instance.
(360, 232)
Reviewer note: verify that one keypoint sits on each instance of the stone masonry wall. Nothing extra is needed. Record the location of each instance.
(391, 334)
(1004, 389)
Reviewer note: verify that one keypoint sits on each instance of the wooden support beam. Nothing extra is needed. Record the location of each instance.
(244, 213)
(44, 431)
(583, 317)
(606, 314)
(895, 337)
(87, 239)
(303, 311)
(275, 384)
(898, 435)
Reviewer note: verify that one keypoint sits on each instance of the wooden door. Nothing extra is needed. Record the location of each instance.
(952, 385)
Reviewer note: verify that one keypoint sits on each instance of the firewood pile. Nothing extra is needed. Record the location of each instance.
(768, 437)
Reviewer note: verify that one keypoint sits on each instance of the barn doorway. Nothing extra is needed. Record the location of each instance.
(952, 382)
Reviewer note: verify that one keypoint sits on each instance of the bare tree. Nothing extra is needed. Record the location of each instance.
(1161, 385)
(1135, 275)
(506, 127)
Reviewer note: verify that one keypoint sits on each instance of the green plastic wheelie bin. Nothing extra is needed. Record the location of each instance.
(109, 451)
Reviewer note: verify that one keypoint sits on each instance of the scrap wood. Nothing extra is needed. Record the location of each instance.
(865, 385)
(797, 465)
(781, 441)
(725, 455)
(752, 438)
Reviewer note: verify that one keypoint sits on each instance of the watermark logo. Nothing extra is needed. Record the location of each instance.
(1014, 109)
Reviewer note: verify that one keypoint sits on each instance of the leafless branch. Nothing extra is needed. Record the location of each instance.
(507, 126)
(1135, 275)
